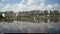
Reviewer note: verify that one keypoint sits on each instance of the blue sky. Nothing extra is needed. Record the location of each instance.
(22, 5)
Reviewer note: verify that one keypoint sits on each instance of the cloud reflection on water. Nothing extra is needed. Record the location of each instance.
(28, 27)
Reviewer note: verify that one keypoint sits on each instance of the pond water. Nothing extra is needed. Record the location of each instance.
(49, 26)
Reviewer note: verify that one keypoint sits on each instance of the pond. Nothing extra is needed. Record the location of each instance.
(51, 25)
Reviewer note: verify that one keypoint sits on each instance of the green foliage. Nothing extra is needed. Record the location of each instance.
(1, 17)
(28, 15)
(54, 12)
(46, 12)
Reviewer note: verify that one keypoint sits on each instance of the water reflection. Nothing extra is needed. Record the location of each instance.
(28, 27)
(44, 25)
(54, 19)
(42, 19)
(37, 19)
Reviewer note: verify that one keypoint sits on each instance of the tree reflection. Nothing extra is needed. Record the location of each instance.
(54, 19)
(44, 19)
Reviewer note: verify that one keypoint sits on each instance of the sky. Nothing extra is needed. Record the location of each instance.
(27, 5)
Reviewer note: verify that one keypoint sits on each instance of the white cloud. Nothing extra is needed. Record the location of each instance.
(22, 7)
(56, 4)
(6, 8)
(30, 6)
(0, 5)
(29, 2)
(50, 6)
(19, 7)
(53, 6)
(42, 6)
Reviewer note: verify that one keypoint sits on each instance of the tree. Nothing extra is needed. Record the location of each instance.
(11, 12)
(1, 17)
(46, 12)
(50, 12)
(56, 12)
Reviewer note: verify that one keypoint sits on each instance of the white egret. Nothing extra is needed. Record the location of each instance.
(3, 15)
(34, 19)
(16, 14)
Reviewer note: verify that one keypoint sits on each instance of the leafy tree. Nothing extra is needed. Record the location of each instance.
(51, 13)
(11, 12)
(1, 17)
(56, 12)
(46, 12)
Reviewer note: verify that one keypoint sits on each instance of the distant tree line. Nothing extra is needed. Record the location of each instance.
(40, 12)
(35, 12)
